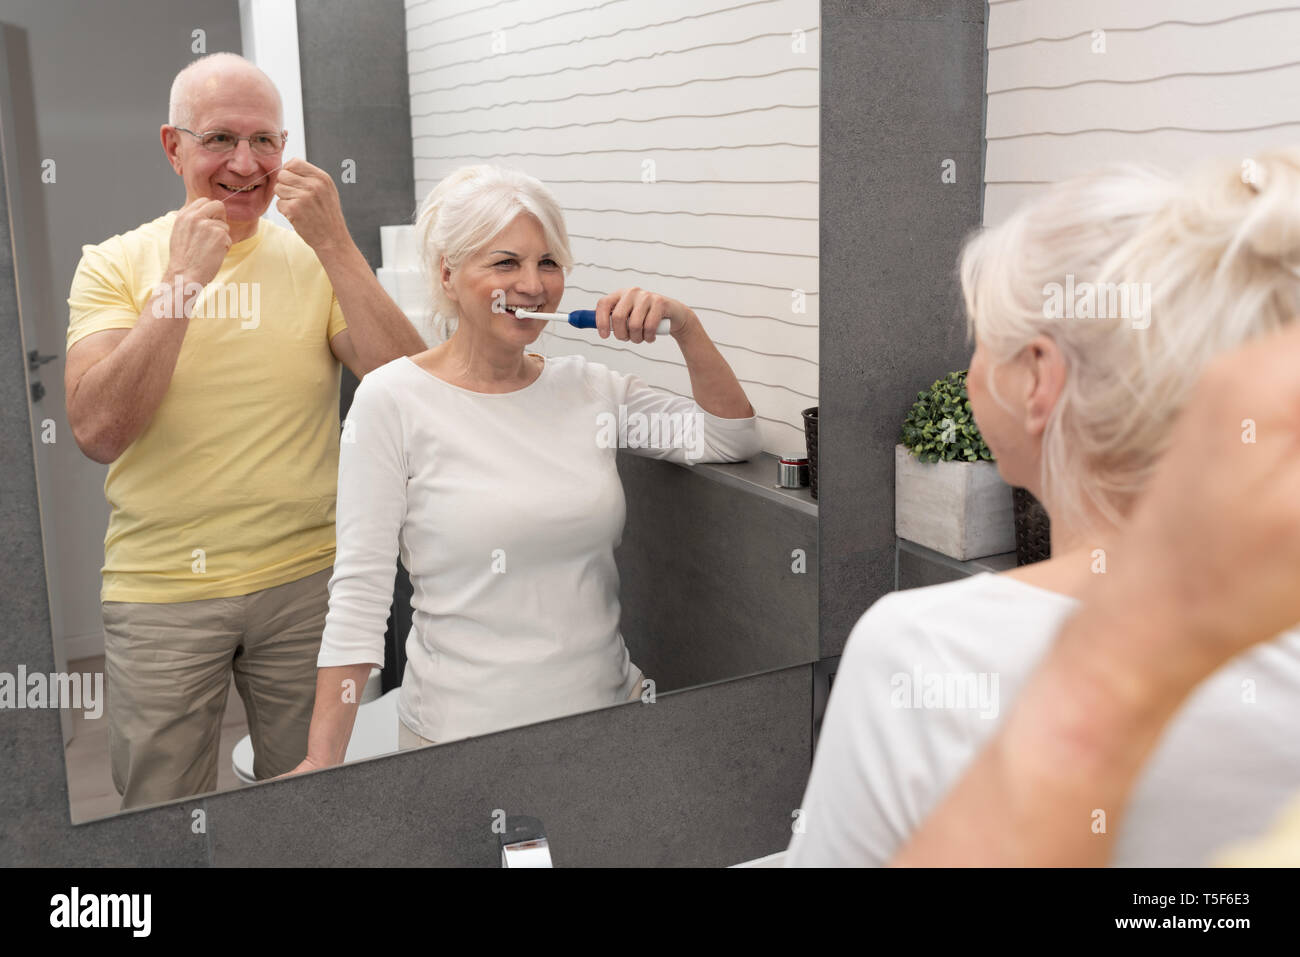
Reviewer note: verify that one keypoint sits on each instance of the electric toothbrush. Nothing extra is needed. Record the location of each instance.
(583, 319)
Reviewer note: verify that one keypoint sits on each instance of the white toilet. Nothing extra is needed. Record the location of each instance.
(374, 733)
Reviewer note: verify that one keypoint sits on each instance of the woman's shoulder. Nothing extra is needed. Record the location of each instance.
(392, 373)
(578, 365)
(579, 371)
(381, 389)
(973, 620)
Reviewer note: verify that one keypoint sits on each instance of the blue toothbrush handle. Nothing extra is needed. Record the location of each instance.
(586, 319)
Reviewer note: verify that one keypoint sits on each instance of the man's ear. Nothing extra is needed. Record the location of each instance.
(171, 144)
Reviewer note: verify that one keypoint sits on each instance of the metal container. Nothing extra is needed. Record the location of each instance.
(792, 473)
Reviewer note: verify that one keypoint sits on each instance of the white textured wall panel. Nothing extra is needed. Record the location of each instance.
(1178, 81)
(719, 97)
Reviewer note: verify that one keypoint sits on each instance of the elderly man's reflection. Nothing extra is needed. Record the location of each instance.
(491, 470)
(221, 426)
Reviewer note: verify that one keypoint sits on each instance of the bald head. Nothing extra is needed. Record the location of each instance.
(219, 76)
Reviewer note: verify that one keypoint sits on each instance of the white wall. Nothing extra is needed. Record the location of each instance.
(1179, 80)
(580, 93)
(268, 30)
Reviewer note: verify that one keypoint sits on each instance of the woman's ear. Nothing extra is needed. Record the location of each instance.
(1047, 370)
(445, 278)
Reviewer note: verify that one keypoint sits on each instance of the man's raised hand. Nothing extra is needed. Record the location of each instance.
(199, 242)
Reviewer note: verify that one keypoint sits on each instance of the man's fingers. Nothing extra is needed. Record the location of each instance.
(300, 169)
(214, 209)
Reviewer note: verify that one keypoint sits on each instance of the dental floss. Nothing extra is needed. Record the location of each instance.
(246, 187)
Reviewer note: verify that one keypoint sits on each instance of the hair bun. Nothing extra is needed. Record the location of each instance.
(1270, 185)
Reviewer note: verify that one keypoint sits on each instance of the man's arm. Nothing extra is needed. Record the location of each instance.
(115, 380)
(378, 331)
(1207, 567)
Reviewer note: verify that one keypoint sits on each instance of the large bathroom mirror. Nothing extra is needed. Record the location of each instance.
(682, 147)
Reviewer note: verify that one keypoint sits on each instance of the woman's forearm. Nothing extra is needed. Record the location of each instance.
(713, 385)
(1052, 786)
(338, 695)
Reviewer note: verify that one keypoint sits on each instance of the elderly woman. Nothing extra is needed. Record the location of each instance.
(491, 470)
(1075, 394)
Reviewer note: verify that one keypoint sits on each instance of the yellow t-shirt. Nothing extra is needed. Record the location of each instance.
(230, 488)
(1279, 847)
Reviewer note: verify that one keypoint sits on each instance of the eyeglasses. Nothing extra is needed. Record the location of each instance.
(223, 141)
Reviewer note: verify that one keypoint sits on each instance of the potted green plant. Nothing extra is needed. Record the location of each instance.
(948, 495)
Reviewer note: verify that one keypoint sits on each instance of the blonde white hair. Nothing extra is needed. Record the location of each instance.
(1220, 250)
(462, 214)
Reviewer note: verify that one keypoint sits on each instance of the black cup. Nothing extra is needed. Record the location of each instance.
(810, 434)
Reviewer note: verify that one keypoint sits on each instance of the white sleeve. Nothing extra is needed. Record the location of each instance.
(704, 437)
(370, 509)
(875, 775)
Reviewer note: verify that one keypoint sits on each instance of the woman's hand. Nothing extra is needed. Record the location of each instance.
(1216, 535)
(338, 688)
(307, 764)
(633, 315)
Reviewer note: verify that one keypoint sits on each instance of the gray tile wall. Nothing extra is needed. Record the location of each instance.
(919, 566)
(356, 105)
(707, 580)
(902, 90)
(702, 778)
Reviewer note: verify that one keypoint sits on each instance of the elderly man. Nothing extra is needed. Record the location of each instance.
(203, 366)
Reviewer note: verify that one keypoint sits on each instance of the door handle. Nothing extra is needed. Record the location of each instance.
(35, 360)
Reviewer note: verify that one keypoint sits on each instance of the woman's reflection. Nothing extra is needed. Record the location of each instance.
(491, 470)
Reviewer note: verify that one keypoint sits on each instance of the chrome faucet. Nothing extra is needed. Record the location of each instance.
(524, 844)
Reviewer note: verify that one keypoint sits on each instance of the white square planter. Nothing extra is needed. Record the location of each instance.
(962, 509)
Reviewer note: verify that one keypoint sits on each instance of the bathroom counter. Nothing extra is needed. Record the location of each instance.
(758, 475)
(718, 572)
(916, 566)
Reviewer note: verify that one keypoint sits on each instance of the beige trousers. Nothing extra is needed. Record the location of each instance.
(167, 667)
(406, 738)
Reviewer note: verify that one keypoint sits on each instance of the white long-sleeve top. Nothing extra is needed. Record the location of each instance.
(506, 510)
(928, 676)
